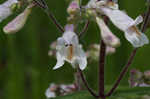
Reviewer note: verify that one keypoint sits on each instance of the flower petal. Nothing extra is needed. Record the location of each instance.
(108, 37)
(136, 40)
(5, 9)
(60, 61)
(81, 58)
(82, 63)
(137, 21)
(50, 94)
(122, 22)
(60, 41)
(75, 40)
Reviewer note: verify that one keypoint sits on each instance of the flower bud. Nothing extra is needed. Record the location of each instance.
(17, 24)
(73, 8)
(108, 37)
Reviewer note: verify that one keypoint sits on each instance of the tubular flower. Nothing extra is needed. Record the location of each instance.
(108, 37)
(121, 20)
(6, 9)
(69, 49)
(18, 23)
(128, 26)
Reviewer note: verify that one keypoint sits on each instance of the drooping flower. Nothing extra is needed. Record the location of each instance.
(108, 37)
(69, 49)
(17, 24)
(129, 26)
(121, 20)
(6, 9)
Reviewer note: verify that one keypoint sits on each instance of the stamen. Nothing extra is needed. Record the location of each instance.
(110, 3)
(70, 52)
(134, 28)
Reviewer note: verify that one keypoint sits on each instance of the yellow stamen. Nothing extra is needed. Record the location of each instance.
(110, 3)
(135, 29)
(70, 52)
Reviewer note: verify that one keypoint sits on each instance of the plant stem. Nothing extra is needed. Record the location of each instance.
(84, 29)
(123, 72)
(101, 68)
(102, 55)
(78, 80)
(146, 20)
(86, 84)
(143, 29)
(45, 7)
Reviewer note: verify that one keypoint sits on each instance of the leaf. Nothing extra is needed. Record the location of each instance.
(120, 93)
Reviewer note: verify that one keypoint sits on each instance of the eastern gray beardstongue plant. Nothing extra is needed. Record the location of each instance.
(68, 47)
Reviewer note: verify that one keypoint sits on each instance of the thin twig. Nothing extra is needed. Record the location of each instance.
(146, 19)
(84, 29)
(86, 84)
(130, 60)
(123, 72)
(50, 15)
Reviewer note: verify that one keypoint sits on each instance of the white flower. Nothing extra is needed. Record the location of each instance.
(108, 37)
(16, 24)
(121, 20)
(129, 26)
(6, 10)
(50, 92)
(69, 49)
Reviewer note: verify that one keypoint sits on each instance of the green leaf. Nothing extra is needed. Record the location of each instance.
(120, 93)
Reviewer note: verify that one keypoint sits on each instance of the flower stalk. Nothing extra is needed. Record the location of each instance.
(86, 84)
(44, 6)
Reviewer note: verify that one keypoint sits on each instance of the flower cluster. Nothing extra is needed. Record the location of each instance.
(68, 47)
(59, 90)
(120, 19)
(138, 78)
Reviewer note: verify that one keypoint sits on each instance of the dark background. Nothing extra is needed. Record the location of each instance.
(26, 69)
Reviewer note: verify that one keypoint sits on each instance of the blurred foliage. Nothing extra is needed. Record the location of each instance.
(26, 68)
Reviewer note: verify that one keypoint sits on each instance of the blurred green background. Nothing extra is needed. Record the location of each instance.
(26, 69)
